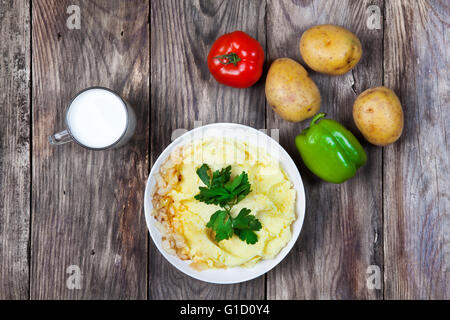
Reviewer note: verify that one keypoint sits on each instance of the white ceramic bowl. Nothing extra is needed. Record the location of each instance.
(244, 133)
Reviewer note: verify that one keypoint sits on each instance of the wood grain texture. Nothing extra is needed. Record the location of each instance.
(86, 205)
(416, 168)
(183, 91)
(342, 232)
(14, 148)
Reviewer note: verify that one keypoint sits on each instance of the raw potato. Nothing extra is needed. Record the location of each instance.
(378, 114)
(330, 49)
(290, 91)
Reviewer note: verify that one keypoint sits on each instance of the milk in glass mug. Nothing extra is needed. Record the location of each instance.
(97, 118)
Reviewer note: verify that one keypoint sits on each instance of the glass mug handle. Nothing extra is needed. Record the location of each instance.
(60, 138)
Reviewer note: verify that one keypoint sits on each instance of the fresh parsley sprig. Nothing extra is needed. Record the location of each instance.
(222, 191)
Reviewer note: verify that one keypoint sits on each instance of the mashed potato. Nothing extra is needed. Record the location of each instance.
(182, 219)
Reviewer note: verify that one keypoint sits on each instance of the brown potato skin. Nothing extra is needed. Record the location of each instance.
(378, 114)
(330, 49)
(292, 94)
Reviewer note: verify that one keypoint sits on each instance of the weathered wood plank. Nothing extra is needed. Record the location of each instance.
(342, 232)
(14, 148)
(416, 168)
(183, 91)
(86, 205)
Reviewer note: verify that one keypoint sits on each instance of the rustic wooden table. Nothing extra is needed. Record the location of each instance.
(66, 206)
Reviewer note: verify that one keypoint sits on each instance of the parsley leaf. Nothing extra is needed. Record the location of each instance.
(222, 224)
(247, 235)
(217, 196)
(221, 177)
(221, 191)
(203, 173)
(232, 185)
(245, 220)
(244, 226)
(243, 188)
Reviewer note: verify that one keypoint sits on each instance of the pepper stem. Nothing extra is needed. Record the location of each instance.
(317, 117)
(228, 58)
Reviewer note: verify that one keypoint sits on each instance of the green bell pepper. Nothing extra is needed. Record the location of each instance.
(329, 150)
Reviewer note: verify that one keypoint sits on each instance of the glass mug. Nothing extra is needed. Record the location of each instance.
(97, 118)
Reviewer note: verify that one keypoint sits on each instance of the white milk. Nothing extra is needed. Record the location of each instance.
(97, 118)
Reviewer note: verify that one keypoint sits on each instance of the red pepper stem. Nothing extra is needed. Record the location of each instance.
(317, 117)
